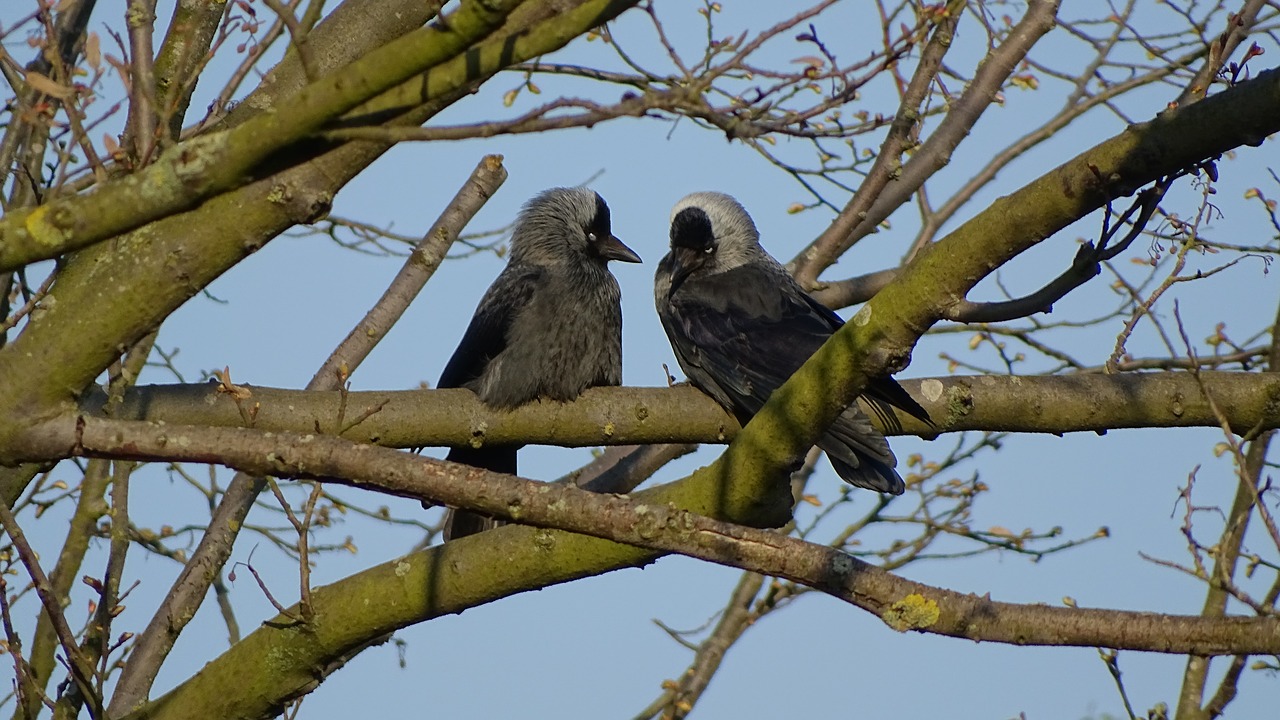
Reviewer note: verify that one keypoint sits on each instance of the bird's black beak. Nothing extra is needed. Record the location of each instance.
(611, 248)
(683, 262)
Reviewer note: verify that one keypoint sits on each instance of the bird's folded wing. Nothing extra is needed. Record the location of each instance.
(486, 336)
(750, 334)
(749, 337)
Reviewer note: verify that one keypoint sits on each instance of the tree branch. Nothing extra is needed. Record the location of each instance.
(626, 416)
(652, 520)
(140, 135)
(81, 671)
(903, 133)
(208, 164)
(181, 55)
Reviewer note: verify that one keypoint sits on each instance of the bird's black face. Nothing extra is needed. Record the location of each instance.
(600, 240)
(693, 244)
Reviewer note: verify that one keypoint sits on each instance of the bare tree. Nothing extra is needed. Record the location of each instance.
(105, 235)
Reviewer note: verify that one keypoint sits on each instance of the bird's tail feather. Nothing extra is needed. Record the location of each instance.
(461, 523)
(868, 473)
(860, 454)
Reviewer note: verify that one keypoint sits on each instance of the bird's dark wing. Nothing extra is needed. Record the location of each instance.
(486, 336)
(746, 331)
(484, 339)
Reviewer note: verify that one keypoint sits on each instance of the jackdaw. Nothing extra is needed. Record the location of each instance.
(549, 327)
(740, 326)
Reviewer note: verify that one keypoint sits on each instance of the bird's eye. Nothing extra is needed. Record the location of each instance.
(709, 249)
(591, 237)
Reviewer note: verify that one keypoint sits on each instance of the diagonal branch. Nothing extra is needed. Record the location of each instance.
(209, 164)
(182, 53)
(192, 585)
(902, 131)
(935, 152)
(81, 671)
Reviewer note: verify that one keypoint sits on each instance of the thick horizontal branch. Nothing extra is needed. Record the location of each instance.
(629, 416)
(648, 520)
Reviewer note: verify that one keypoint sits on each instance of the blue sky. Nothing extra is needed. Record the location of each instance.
(590, 649)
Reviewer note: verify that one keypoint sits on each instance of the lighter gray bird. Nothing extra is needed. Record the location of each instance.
(740, 326)
(549, 327)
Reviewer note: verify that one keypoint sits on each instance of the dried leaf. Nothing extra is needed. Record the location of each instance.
(41, 83)
(93, 51)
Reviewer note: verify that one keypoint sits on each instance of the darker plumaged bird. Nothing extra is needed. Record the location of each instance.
(740, 326)
(549, 327)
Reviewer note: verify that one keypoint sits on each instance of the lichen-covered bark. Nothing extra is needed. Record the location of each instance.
(208, 164)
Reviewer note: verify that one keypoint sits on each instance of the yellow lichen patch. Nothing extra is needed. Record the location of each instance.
(42, 230)
(913, 612)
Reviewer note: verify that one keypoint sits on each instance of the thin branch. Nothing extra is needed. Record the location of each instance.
(735, 619)
(902, 133)
(186, 48)
(935, 152)
(1085, 266)
(1225, 561)
(81, 670)
(483, 183)
(297, 37)
(27, 691)
(141, 136)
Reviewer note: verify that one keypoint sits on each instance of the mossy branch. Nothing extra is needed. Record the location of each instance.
(209, 164)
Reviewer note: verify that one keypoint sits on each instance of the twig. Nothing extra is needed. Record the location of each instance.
(298, 37)
(737, 617)
(262, 585)
(1111, 659)
(81, 672)
(24, 687)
